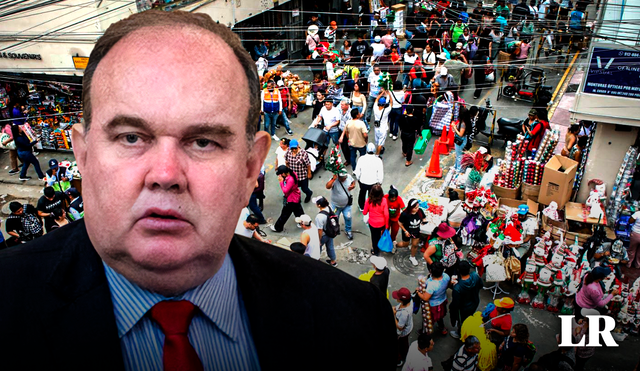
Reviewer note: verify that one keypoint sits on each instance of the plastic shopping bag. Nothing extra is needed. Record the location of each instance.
(385, 244)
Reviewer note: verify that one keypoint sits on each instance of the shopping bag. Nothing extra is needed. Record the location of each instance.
(309, 100)
(421, 143)
(385, 244)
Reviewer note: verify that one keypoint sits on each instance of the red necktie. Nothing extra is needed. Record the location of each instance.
(174, 318)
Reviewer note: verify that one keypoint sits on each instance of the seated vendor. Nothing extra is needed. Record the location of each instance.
(529, 229)
(499, 327)
(612, 255)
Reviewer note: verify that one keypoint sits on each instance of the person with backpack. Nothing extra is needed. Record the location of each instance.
(328, 224)
(515, 351)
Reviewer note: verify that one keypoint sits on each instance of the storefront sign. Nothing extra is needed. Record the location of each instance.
(614, 72)
(80, 63)
(295, 13)
(20, 56)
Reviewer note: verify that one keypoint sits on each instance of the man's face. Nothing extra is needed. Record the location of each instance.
(19, 211)
(328, 105)
(475, 349)
(180, 172)
(376, 71)
(344, 106)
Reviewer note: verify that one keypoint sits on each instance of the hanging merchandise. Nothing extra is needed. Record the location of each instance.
(427, 318)
(618, 200)
(547, 145)
(585, 157)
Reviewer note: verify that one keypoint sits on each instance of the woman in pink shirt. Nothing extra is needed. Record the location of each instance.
(378, 210)
(524, 51)
(289, 185)
(591, 295)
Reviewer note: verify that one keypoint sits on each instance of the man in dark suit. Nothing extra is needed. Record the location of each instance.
(153, 277)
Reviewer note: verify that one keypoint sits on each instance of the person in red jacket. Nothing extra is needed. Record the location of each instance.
(534, 130)
(418, 75)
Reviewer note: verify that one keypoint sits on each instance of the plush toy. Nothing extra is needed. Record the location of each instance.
(595, 207)
(527, 279)
(540, 257)
(545, 280)
(571, 274)
(551, 211)
(555, 293)
(556, 261)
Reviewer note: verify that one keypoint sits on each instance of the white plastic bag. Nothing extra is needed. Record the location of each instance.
(309, 100)
(491, 77)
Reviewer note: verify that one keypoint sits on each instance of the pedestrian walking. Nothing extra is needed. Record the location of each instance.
(24, 148)
(287, 106)
(465, 297)
(418, 355)
(271, 103)
(466, 358)
(291, 190)
(410, 127)
(257, 197)
(441, 248)
(396, 205)
(404, 321)
(369, 171)
(323, 223)
(357, 135)
(378, 210)
(460, 140)
(410, 221)
(513, 350)
(434, 291)
(380, 278)
(397, 99)
(381, 111)
(341, 185)
(297, 159)
(309, 236)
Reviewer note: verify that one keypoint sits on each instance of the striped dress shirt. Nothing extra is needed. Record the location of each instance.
(219, 332)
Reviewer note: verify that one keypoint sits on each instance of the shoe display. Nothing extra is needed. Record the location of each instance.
(413, 260)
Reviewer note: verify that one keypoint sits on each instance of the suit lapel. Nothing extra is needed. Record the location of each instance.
(79, 320)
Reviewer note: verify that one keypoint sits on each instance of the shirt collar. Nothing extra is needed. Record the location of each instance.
(217, 298)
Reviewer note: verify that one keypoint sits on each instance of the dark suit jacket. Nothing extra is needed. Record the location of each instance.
(56, 311)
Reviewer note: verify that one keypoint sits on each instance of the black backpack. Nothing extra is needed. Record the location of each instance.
(332, 226)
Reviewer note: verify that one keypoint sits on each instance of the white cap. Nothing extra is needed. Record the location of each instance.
(377, 39)
(459, 46)
(378, 261)
(371, 148)
(482, 150)
(280, 83)
(443, 71)
(316, 199)
(304, 219)
(442, 56)
(312, 30)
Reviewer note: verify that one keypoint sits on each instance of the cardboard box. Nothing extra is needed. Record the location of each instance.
(398, 7)
(578, 212)
(509, 202)
(510, 193)
(548, 222)
(557, 181)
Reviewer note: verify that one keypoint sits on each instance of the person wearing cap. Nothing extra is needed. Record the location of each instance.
(499, 326)
(58, 177)
(321, 222)
(271, 107)
(433, 290)
(408, 61)
(309, 236)
(76, 205)
(417, 357)
(369, 171)
(314, 20)
(357, 135)
(289, 185)
(455, 66)
(312, 41)
(297, 159)
(172, 125)
(380, 277)
(445, 80)
(410, 221)
(533, 130)
(374, 90)
(529, 228)
(378, 47)
(378, 211)
(465, 297)
(381, 111)
(441, 248)
(51, 200)
(341, 185)
(23, 224)
(404, 321)
(287, 104)
(591, 294)
(330, 33)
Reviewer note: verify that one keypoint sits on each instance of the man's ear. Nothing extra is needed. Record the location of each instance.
(258, 154)
(78, 140)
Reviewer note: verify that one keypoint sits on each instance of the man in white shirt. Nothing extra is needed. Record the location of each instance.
(248, 226)
(378, 47)
(331, 116)
(309, 236)
(369, 171)
(417, 357)
(381, 111)
(374, 91)
(282, 149)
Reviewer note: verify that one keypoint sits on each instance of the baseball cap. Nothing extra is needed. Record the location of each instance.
(293, 143)
(523, 209)
(73, 192)
(444, 71)
(53, 163)
(371, 148)
(442, 56)
(378, 261)
(459, 46)
(382, 101)
(402, 294)
(333, 23)
(304, 219)
(377, 39)
(600, 272)
(506, 303)
(282, 169)
(316, 199)
(533, 112)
